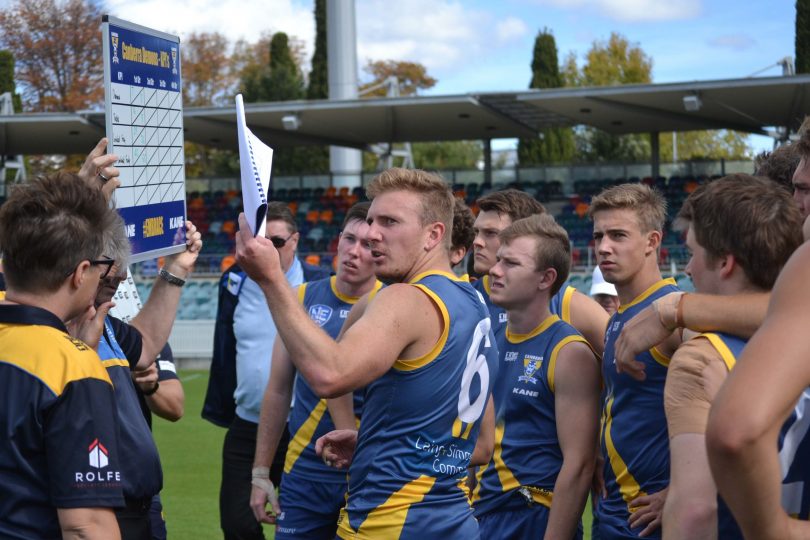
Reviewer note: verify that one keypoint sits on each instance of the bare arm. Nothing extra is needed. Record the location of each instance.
(155, 320)
(88, 524)
(739, 315)
(590, 319)
(576, 402)
(485, 444)
(273, 416)
(690, 510)
(742, 432)
(401, 322)
(168, 400)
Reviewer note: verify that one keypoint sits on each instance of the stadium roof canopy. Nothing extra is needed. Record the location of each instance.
(749, 105)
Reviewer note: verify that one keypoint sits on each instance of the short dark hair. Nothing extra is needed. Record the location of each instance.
(279, 211)
(746, 216)
(553, 249)
(803, 145)
(463, 226)
(47, 227)
(512, 202)
(358, 212)
(779, 165)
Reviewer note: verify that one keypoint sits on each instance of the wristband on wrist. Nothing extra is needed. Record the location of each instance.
(171, 278)
(151, 390)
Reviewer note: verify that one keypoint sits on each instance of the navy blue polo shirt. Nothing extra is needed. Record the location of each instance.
(58, 425)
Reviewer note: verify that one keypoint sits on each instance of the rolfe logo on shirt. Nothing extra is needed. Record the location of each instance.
(99, 456)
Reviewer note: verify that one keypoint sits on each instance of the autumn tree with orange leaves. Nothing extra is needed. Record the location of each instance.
(58, 51)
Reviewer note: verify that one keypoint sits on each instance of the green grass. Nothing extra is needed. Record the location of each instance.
(191, 453)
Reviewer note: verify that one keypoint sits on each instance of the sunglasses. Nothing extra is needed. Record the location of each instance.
(280, 242)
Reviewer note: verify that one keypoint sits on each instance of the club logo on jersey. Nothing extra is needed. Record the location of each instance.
(530, 366)
(511, 356)
(320, 314)
(99, 457)
(234, 280)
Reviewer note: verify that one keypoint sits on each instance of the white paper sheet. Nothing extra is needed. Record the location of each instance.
(256, 163)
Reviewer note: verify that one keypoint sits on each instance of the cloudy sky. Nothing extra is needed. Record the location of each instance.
(484, 45)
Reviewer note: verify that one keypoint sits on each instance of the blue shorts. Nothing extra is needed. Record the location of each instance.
(309, 509)
(156, 520)
(524, 524)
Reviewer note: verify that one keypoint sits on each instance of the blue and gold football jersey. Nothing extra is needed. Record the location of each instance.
(527, 454)
(309, 418)
(634, 438)
(560, 305)
(420, 423)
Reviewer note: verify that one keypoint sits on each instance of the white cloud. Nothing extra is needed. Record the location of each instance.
(509, 29)
(436, 33)
(235, 19)
(635, 10)
(735, 42)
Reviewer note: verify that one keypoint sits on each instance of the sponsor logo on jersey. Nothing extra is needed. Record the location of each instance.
(320, 314)
(502, 318)
(511, 356)
(524, 392)
(530, 365)
(99, 457)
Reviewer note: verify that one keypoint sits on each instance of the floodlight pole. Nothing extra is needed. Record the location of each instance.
(341, 37)
(655, 151)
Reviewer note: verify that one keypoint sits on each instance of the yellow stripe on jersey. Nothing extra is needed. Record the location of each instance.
(302, 290)
(507, 478)
(485, 279)
(520, 338)
(416, 363)
(479, 475)
(303, 436)
(552, 362)
(2, 295)
(660, 357)
(720, 346)
(566, 304)
(38, 350)
(628, 486)
(113, 362)
(388, 519)
(460, 431)
(449, 275)
(643, 296)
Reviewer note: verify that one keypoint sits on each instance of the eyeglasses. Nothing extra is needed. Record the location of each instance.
(104, 262)
(280, 242)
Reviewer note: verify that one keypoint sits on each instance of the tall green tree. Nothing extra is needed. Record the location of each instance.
(552, 145)
(7, 79)
(802, 36)
(319, 76)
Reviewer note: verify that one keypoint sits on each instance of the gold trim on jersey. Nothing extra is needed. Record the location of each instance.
(416, 363)
(628, 486)
(303, 436)
(643, 296)
(485, 280)
(552, 362)
(717, 342)
(660, 357)
(388, 519)
(565, 308)
(351, 299)
(38, 349)
(449, 275)
(302, 290)
(457, 425)
(511, 337)
(115, 362)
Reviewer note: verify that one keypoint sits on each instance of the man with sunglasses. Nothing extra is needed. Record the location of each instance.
(125, 347)
(240, 368)
(60, 473)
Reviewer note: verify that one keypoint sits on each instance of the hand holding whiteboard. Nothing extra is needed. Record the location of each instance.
(255, 163)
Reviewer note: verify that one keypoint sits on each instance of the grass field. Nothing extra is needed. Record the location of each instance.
(191, 453)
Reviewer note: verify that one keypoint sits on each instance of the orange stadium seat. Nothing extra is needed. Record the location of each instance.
(313, 216)
(314, 259)
(227, 261)
(293, 206)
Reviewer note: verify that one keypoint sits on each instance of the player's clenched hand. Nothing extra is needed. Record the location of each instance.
(648, 511)
(640, 334)
(337, 447)
(260, 495)
(256, 254)
(183, 263)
